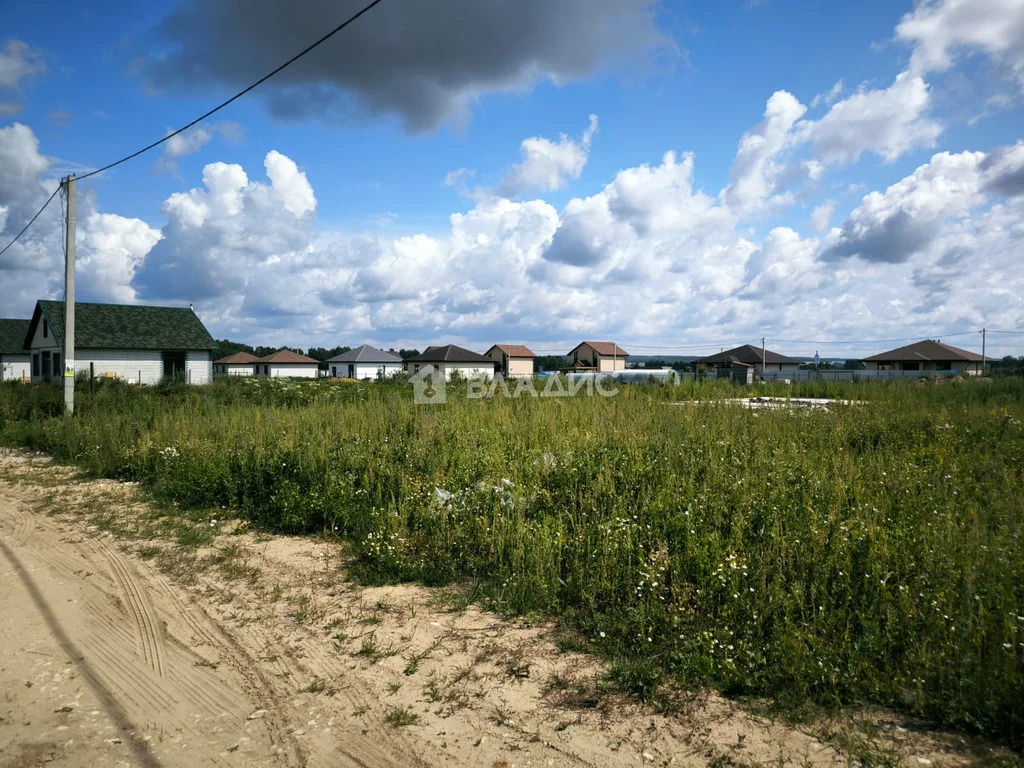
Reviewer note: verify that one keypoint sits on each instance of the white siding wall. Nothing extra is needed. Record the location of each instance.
(136, 365)
(297, 370)
(364, 370)
(199, 366)
(240, 369)
(14, 367)
(467, 370)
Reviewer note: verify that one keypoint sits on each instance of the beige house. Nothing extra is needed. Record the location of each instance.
(926, 355)
(600, 356)
(514, 361)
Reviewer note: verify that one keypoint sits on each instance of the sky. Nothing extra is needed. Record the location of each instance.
(678, 177)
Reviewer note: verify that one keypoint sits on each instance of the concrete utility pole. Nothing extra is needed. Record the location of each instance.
(982, 351)
(69, 300)
(762, 355)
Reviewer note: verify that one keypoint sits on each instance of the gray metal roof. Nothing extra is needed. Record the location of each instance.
(364, 353)
(450, 353)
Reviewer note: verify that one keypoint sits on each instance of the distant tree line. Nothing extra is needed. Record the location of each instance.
(1007, 366)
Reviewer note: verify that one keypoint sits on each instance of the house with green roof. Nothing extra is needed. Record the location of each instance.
(139, 344)
(15, 360)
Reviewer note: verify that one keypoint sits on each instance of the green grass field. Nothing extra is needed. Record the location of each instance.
(870, 553)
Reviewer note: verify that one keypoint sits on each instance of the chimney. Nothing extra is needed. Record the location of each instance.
(190, 306)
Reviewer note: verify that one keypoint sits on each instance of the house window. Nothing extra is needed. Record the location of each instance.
(46, 366)
(174, 363)
(943, 365)
(266, 370)
(46, 329)
(35, 364)
(915, 366)
(56, 364)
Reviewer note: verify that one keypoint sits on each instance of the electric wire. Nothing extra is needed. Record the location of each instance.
(31, 221)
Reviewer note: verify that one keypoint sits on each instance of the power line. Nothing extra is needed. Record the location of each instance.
(31, 221)
(1017, 333)
(238, 95)
(869, 341)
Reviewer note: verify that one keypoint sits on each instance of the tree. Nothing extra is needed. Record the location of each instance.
(225, 348)
(550, 363)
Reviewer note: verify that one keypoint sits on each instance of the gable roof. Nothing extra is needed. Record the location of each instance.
(605, 348)
(925, 350)
(12, 337)
(449, 353)
(364, 353)
(749, 355)
(513, 350)
(239, 358)
(124, 326)
(286, 356)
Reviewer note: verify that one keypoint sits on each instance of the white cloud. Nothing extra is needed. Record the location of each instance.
(940, 30)
(822, 215)
(887, 122)
(548, 165)
(647, 259)
(18, 64)
(909, 216)
(193, 140)
(754, 175)
(829, 96)
(110, 248)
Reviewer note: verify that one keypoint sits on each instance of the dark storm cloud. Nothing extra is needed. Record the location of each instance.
(425, 61)
(891, 241)
(1003, 170)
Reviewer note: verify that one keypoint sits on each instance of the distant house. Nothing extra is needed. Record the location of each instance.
(598, 356)
(364, 362)
(135, 343)
(514, 360)
(451, 360)
(15, 360)
(926, 355)
(238, 364)
(749, 356)
(287, 364)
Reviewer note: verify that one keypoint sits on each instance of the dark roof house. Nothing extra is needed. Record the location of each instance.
(366, 354)
(123, 326)
(925, 351)
(12, 337)
(449, 353)
(747, 354)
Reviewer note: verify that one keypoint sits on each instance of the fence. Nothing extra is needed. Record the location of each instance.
(811, 374)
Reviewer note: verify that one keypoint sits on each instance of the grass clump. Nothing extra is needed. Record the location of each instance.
(869, 553)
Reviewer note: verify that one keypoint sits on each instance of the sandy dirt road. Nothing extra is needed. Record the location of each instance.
(128, 650)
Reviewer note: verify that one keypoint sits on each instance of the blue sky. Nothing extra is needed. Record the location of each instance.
(359, 237)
